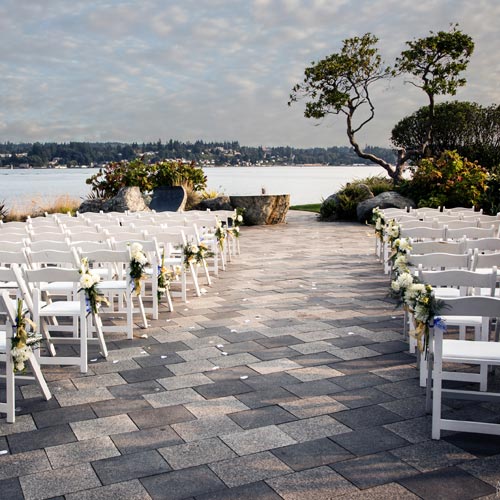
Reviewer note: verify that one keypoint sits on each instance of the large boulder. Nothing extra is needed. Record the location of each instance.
(388, 199)
(263, 209)
(219, 203)
(168, 199)
(128, 199)
(91, 206)
(335, 207)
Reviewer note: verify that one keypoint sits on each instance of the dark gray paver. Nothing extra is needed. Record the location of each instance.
(311, 454)
(318, 483)
(11, 489)
(130, 490)
(48, 436)
(133, 466)
(253, 491)
(373, 470)
(220, 389)
(146, 439)
(183, 483)
(371, 416)
(369, 440)
(450, 483)
(60, 416)
(156, 417)
(260, 417)
(266, 397)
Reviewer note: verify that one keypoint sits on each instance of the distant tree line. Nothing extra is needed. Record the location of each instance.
(74, 154)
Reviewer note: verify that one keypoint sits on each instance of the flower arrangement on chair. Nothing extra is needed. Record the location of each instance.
(165, 276)
(23, 341)
(194, 254)
(137, 267)
(237, 222)
(401, 247)
(220, 234)
(379, 221)
(88, 282)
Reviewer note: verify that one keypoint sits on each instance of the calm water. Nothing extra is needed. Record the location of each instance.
(19, 188)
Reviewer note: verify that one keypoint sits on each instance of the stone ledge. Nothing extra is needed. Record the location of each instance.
(263, 209)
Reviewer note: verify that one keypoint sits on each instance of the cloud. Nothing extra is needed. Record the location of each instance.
(218, 69)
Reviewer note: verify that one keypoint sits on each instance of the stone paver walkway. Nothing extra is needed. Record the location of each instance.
(288, 379)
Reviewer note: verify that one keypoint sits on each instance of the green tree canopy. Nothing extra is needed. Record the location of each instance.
(467, 127)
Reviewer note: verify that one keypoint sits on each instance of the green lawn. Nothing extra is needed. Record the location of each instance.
(308, 208)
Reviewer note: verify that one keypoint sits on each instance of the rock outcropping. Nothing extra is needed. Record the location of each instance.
(219, 203)
(128, 199)
(388, 199)
(263, 209)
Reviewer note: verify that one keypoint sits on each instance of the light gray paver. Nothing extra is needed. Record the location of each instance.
(217, 406)
(275, 365)
(196, 453)
(87, 395)
(172, 398)
(201, 353)
(249, 469)
(313, 428)
(88, 450)
(184, 381)
(105, 380)
(23, 463)
(315, 373)
(105, 426)
(191, 367)
(59, 482)
(311, 407)
(23, 423)
(234, 360)
(205, 428)
(259, 439)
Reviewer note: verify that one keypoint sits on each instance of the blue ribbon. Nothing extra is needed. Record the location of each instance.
(439, 323)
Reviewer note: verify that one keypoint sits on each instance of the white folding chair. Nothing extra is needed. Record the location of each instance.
(467, 352)
(76, 308)
(7, 331)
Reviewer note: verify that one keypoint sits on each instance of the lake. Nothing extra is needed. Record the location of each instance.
(20, 188)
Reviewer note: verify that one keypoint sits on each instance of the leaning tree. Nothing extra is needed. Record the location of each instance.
(340, 84)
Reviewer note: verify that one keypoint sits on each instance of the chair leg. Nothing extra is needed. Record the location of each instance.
(207, 274)
(10, 392)
(83, 344)
(428, 389)
(100, 336)
(130, 311)
(142, 311)
(194, 277)
(437, 380)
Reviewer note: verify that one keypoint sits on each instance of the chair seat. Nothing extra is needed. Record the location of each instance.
(3, 343)
(471, 351)
(441, 292)
(61, 308)
(57, 286)
(111, 285)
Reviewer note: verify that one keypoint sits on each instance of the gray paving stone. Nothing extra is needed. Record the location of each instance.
(223, 388)
(184, 381)
(112, 367)
(311, 454)
(234, 360)
(487, 469)
(449, 482)
(355, 353)
(315, 373)
(205, 428)
(196, 453)
(182, 484)
(52, 483)
(23, 423)
(321, 346)
(249, 469)
(359, 381)
(145, 373)
(253, 491)
(314, 388)
(271, 381)
(192, 367)
(23, 463)
(147, 439)
(87, 395)
(319, 483)
(314, 428)
(59, 416)
(89, 450)
(266, 397)
(382, 492)
(267, 415)
(197, 354)
(26, 441)
(373, 470)
(172, 398)
(118, 406)
(157, 417)
(11, 489)
(276, 365)
(213, 407)
(368, 441)
(256, 440)
(371, 416)
(313, 406)
(137, 390)
(131, 490)
(105, 426)
(133, 466)
(432, 455)
(358, 398)
(105, 380)
(415, 430)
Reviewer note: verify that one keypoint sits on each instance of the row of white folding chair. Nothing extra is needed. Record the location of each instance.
(8, 311)
(463, 352)
(443, 233)
(482, 245)
(454, 283)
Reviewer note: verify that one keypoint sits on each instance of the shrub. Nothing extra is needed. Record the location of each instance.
(108, 181)
(491, 199)
(449, 180)
(342, 205)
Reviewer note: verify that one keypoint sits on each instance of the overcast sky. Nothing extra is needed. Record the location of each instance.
(211, 69)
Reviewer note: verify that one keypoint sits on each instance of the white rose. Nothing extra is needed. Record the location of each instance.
(404, 245)
(239, 218)
(395, 286)
(135, 248)
(194, 248)
(20, 366)
(405, 280)
(87, 280)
